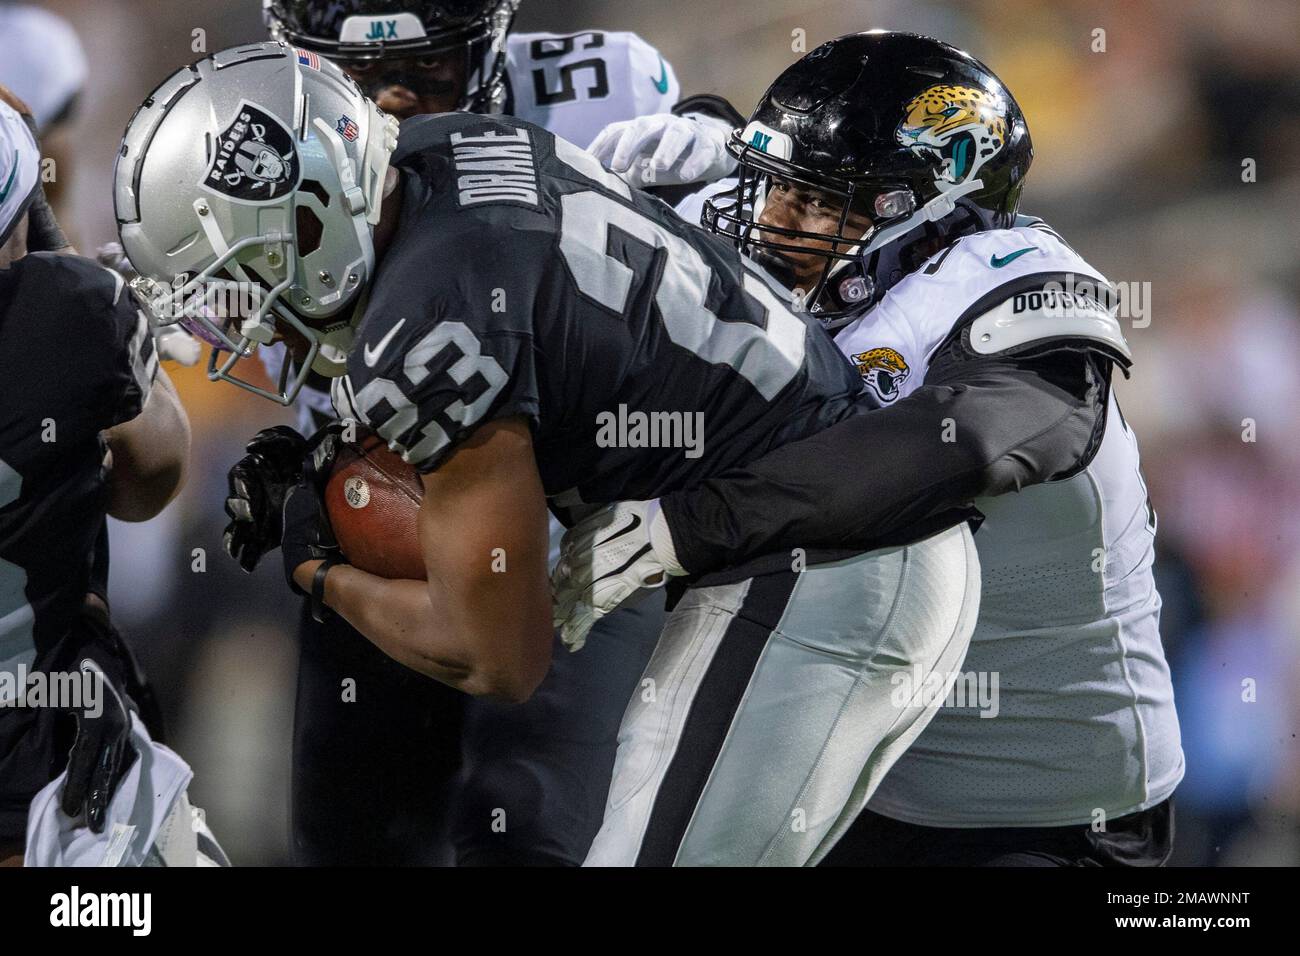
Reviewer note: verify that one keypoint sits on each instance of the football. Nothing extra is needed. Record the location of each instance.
(372, 498)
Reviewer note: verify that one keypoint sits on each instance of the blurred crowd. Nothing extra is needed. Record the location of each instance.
(1167, 136)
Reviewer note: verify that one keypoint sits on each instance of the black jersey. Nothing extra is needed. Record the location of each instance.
(525, 280)
(76, 358)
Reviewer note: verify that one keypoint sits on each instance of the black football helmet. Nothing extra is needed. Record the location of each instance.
(918, 136)
(357, 31)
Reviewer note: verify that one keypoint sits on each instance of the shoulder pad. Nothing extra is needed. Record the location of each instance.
(68, 275)
(1073, 308)
(981, 271)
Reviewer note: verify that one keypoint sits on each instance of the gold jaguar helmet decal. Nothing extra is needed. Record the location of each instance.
(884, 371)
(961, 126)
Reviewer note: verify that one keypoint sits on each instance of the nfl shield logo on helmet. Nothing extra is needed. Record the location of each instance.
(254, 159)
(347, 128)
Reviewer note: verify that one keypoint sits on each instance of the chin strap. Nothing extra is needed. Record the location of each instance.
(331, 360)
(937, 209)
(934, 210)
(381, 141)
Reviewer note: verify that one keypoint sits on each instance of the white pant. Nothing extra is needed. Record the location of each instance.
(771, 708)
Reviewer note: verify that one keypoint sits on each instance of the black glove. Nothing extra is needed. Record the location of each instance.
(101, 754)
(307, 535)
(258, 484)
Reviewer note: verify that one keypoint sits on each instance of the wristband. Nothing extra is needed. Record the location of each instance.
(319, 611)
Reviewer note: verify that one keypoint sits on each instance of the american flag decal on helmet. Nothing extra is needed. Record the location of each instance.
(307, 58)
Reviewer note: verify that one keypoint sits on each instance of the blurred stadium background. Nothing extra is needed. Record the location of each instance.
(1140, 153)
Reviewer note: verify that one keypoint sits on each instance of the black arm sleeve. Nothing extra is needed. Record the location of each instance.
(980, 426)
(44, 234)
(710, 104)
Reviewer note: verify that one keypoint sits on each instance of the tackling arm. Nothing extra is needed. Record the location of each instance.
(980, 426)
(482, 621)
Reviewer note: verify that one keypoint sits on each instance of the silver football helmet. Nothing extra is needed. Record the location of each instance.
(260, 168)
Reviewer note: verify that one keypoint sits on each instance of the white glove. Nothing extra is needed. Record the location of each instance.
(666, 150)
(173, 343)
(111, 255)
(609, 557)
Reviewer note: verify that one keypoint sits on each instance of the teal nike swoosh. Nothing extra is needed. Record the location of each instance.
(661, 84)
(997, 262)
(4, 193)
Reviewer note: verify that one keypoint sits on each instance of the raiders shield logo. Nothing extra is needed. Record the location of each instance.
(255, 160)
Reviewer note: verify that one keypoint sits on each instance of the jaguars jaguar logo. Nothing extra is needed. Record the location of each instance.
(961, 126)
(254, 160)
(884, 371)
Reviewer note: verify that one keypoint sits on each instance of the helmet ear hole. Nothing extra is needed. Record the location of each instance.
(317, 189)
(310, 230)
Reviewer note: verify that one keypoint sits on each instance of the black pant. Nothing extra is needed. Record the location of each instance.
(373, 758)
(1138, 839)
(535, 777)
(416, 773)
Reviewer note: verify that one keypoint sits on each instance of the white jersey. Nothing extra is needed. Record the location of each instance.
(41, 60)
(1068, 623)
(573, 85)
(576, 85)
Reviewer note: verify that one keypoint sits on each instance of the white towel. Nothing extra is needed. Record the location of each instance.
(147, 795)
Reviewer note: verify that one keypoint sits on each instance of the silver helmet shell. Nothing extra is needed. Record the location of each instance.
(261, 167)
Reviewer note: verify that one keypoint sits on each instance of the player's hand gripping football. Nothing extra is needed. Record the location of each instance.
(307, 535)
(606, 560)
(258, 484)
(666, 150)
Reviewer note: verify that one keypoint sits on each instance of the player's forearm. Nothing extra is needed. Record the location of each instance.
(397, 617)
(400, 619)
(890, 476)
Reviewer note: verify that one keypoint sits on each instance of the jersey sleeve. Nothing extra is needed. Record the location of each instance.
(101, 334)
(645, 60)
(135, 364)
(442, 359)
(576, 85)
(1029, 287)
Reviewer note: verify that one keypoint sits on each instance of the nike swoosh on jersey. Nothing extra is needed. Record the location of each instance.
(372, 356)
(997, 262)
(661, 84)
